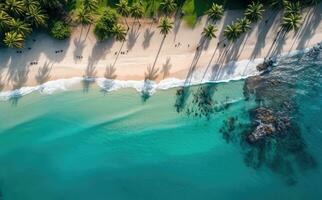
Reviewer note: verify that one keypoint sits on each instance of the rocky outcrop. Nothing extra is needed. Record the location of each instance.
(267, 123)
(267, 65)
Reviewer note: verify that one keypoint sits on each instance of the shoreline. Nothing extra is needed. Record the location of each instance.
(141, 49)
(141, 86)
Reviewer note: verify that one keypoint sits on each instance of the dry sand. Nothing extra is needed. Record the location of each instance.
(141, 48)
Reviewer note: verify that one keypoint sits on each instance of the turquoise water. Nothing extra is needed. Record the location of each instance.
(96, 145)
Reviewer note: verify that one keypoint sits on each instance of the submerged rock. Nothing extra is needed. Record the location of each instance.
(261, 131)
(267, 65)
(267, 123)
(264, 124)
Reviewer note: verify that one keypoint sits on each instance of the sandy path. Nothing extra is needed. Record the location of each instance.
(142, 46)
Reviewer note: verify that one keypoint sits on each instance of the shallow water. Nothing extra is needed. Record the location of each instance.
(89, 144)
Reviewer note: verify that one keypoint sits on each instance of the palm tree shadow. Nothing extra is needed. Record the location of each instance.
(166, 67)
(150, 76)
(110, 73)
(262, 34)
(206, 45)
(183, 92)
(147, 38)
(312, 21)
(43, 74)
(132, 38)
(79, 48)
(89, 75)
(110, 76)
(152, 73)
(18, 81)
(2, 84)
(176, 26)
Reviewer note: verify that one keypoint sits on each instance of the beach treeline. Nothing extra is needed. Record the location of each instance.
(19, 18)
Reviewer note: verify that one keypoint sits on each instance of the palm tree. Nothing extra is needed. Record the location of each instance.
(254, 11)
(209, 32)
(278, 4)
(215, 12)
(119, 32)
(244, 24)
(232, 32)
(90, 5)
(165, 27)
(51, 3)
(14, 7)
(4, 21)
(292, 8)
(167, 7)
(124, 10)
(83, 16)
(36, 16)
(291, 22)
(20, 27)
(31, 4)
(14, 40)
(137, 11)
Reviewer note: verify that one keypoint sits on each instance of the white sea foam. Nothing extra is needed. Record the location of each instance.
(47, 88)
(231, 71)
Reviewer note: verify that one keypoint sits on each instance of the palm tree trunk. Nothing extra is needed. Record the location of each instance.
(89, 28)
(118, 53)
(81, 32)
(223, 40)
(139, 22)
(212, 57)
(126, 23)
(156, 58)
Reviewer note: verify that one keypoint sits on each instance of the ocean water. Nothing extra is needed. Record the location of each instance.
(180, 143)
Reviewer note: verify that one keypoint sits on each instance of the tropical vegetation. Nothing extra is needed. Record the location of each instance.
(215, 12)
(209, 32)
(60, 30)
(167, 7)
(20, 18)
(232, 32)
(254, 11)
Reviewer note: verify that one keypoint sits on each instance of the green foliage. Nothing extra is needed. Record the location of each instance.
(291, 22)
(60, 30)
(119, 32)
(13, 40)
(83, 16)
(278, 4)
(90, 5)
(4, 21)
(232, 32)
(165, 26)
(244, 24)
(292, 8)
(167, 7)
(104, 27)
(292, 16)
(137, 10)
(14, 7)
(254, 11)
(20, 27)
(209, 31)
(20, 17)
(215, 12)
(123, 8)
(36, 16)
(30, 4)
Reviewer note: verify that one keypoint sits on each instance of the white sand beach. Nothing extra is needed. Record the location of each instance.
(142, 45)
